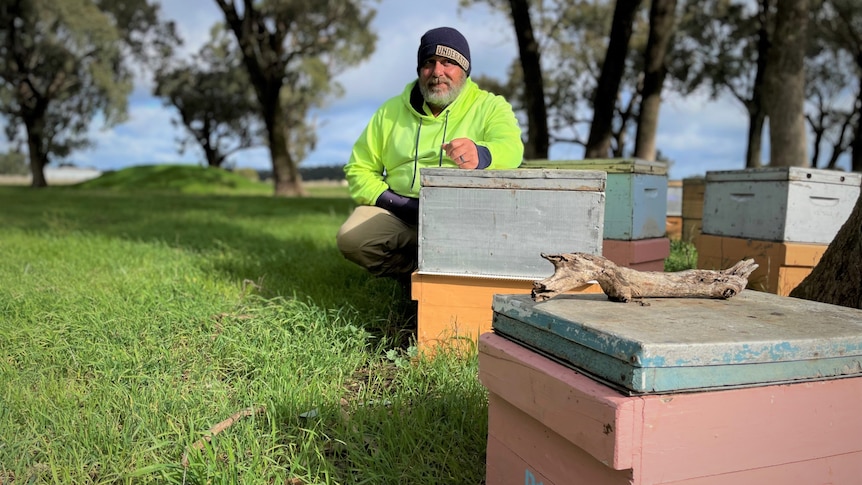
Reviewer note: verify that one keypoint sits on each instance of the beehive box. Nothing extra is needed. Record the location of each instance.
(552, 425)
(687, 344)
(779, 203)
(641, 254)
(458, 309)
(497, 223)
(674, 197)
(636, 204)
(692, 207)
(781, 265)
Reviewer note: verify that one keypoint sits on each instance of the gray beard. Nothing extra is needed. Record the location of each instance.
(438, 99)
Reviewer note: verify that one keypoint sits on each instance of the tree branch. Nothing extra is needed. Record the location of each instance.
(574, 270)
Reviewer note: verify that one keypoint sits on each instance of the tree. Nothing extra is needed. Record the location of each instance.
(837, 278)
(844, 29)
(275, 38)
(538, 138)
(613, 67)
(13, 162)
(215, 101)
(724, 46)
(525, 87)
(661, 26)
(785, 85)
(62, 62)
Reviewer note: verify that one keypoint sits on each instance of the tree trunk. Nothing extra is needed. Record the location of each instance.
(837, 278)
(661, 22)
(785, 86)
(856, 146)
(534, 86)
(755, 139)
(756, 115)
(285, 173)
(607, 90)
(35, 142)
(623, 284)
(266, 74)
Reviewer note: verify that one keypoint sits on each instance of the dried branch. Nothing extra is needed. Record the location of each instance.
(623, 284)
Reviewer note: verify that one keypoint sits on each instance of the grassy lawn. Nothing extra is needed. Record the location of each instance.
(142, 310)
(134, 321)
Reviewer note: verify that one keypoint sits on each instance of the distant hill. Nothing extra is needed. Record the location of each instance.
(330, 172)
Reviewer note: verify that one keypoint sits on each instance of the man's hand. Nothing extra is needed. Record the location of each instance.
(463, 152)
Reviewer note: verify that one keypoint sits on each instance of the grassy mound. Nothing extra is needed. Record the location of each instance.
(184, 179)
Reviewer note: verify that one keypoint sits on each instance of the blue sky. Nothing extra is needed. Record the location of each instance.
(697, 134)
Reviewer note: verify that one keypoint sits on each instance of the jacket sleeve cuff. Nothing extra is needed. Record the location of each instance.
(404, 208)
(484, 157)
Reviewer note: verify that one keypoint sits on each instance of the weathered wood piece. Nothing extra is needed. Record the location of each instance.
(573, 270)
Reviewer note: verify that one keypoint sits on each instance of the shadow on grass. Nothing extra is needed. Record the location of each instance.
(278, 247)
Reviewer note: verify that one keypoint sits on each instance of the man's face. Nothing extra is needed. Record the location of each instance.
(440, 80)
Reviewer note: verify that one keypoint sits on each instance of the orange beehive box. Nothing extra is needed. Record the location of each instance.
(782, 265)
(673, 227)
(552, 425)
(459, 307)
(693, 191)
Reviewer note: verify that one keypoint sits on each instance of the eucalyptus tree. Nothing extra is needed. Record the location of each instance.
(298, 45)
(211, 93)
(63, 62)
(530, 74)
(610, 79)
(662, 23)
(723, 46)
(570, 39)
(843, 30)
(784, 83)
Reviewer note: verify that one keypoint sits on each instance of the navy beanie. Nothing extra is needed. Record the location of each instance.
(444, 42)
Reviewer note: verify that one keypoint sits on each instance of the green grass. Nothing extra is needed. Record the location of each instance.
(132, 321)
(140, 309)
(683, 256)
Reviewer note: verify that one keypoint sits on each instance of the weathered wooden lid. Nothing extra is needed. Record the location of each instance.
(532, 179)
(687, 344)
(611, 166)
(786, 174)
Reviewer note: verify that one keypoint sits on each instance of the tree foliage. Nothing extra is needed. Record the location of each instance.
(298, 45)
(62, 62)
(216, 104)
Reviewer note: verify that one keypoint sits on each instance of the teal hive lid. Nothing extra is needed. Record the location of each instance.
(687, 344)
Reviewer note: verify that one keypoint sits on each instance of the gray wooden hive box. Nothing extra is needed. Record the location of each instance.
(497, 223)
(688, 344)
(636, 194)
(788, 204)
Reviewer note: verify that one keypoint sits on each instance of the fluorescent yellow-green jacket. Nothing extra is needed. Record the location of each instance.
(403, 137)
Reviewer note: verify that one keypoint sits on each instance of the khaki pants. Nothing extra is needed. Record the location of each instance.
(379, 242)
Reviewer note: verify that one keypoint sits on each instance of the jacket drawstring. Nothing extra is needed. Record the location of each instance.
(416, 147)
(445, 124)
(416, 154)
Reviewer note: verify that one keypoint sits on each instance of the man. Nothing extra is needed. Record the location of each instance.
(442, 119)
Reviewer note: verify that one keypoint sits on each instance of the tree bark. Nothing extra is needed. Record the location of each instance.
(785, 86)
(856, 146)
(756, 115)
(837, 278)
(35, 125)
(534, 87)
(613, 67)
(661, 23)
(624, 284)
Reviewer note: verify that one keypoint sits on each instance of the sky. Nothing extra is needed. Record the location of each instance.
(695, 133)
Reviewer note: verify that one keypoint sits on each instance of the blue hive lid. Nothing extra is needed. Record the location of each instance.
(688, 344)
